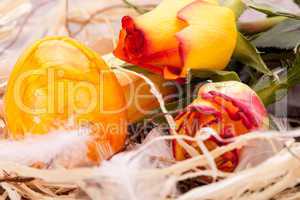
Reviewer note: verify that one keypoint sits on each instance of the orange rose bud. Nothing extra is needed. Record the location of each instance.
(230, 109)
(179, 35)
(59, 82)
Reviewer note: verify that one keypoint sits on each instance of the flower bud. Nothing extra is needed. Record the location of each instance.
(177, 36)
(228, 108)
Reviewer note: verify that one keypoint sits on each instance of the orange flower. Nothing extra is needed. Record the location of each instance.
(177, 36)
(59, 82)
(229, 108)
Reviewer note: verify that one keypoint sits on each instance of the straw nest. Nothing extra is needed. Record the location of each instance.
(125, 177)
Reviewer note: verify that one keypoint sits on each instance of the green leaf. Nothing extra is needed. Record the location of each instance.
(271, 90)
(215, 75)
(286, 35)
(247, 54)
(294, 72)
(271, 12)
(237, 6)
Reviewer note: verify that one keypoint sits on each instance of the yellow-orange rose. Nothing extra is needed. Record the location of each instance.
(179, 35)
(59, 82)
(230, 109)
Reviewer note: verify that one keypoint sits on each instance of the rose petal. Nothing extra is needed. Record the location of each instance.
(210, 37)
(243, 97)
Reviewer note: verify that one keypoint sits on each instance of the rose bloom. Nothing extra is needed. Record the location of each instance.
(179, 35)
(230, 109)
(59, 83)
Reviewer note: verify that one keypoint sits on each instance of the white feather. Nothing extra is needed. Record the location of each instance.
(67, 148)
(128, 174)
